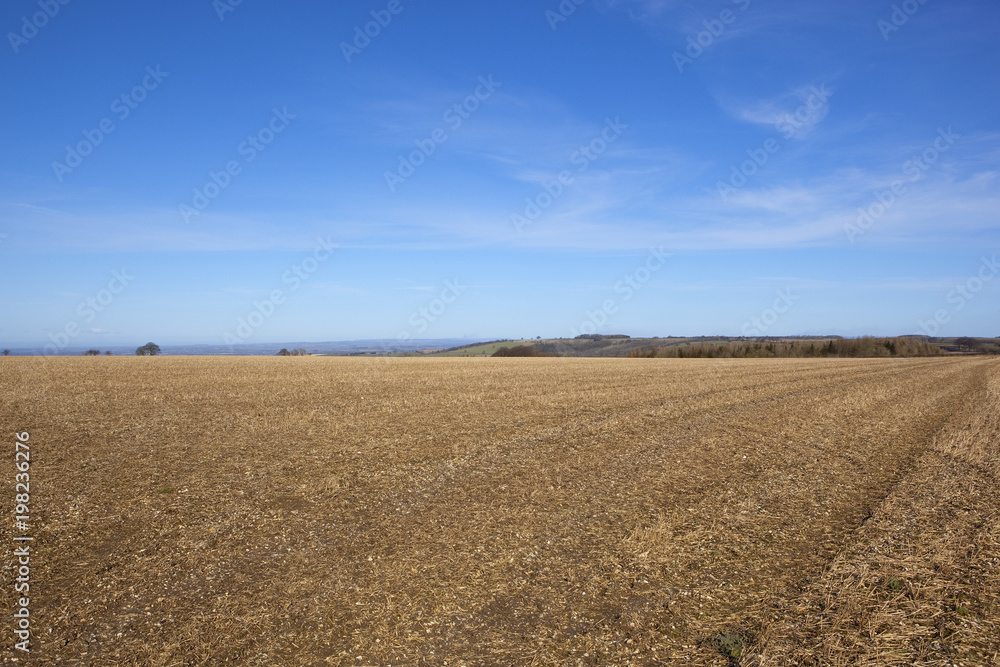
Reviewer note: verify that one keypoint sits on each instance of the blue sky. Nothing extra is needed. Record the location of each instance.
(261, 172)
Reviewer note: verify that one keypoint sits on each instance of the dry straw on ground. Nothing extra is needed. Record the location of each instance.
(262, 511)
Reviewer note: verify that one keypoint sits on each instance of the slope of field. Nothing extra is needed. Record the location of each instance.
(603, 346)
(707, 346)
(866, 346)
(393, 511)
(480, 350)
(919, 582)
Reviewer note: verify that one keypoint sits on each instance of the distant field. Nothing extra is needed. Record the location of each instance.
(572, 347)
(612, 346)
(423, 511)
(482, 350)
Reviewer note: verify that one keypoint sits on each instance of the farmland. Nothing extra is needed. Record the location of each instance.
(409, 511)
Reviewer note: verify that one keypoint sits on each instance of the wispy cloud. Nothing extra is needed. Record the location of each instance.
(625, 205)
(794, 113)
(639, 9)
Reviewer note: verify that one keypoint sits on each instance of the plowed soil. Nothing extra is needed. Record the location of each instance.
(349, 511)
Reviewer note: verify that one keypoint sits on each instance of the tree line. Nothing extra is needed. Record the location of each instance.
(867, 346)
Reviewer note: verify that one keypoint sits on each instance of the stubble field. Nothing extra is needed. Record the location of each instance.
(349, 511)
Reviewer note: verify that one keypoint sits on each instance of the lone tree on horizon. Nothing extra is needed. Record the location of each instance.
(152, 349)
(968, 343)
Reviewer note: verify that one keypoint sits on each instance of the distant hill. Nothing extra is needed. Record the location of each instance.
(597, 345)
(345, 347)
(594, 345)
(866, 346)
(704, 346)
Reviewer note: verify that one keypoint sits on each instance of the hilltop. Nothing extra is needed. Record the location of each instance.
(619, 345)
(598, 345)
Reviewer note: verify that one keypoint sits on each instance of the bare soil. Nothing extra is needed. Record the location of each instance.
(377, 511)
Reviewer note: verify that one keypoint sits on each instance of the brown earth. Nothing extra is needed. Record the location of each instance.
(353, 511)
